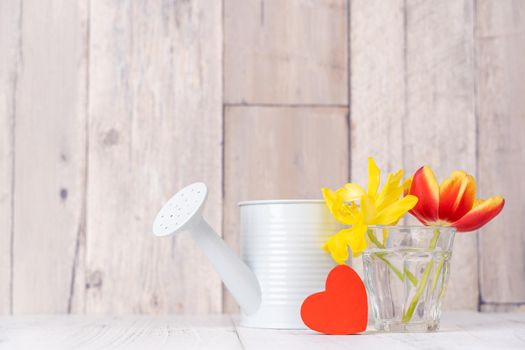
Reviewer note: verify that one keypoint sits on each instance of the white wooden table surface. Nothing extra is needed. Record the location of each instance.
(465, 330)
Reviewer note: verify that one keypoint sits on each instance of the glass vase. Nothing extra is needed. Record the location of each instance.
(406, 271)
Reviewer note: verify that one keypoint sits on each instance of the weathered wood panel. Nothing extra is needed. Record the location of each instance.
(440, 124)
(377, 106)
(285, 52)
(155, 125)
(377, 88)
(501, 75)
(49, 153)
(150, 82)
(280, 153)
(9, 44)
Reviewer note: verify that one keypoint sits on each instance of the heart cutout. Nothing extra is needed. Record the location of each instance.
(342, 308)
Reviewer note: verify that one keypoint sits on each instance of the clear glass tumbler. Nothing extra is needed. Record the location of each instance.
(406, 272)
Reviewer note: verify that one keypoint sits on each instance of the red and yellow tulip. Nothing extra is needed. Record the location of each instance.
(453, 203)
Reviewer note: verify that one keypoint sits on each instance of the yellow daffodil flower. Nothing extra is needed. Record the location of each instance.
(376, 207)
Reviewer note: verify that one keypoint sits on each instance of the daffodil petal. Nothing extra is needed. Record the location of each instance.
(456, 196)
(391, 191)
(367, 210)
(329, 198)
(356, 239)
(395, 211)
(337, 247)
(406, 186)
(342, 212)
(352, 192)
(333, 203)
(373, 177)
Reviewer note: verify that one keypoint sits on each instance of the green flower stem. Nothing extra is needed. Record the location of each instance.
(438, 271)
(374, 240)
(389, 264)
(408, 315)
(423, 283)
(398, 273)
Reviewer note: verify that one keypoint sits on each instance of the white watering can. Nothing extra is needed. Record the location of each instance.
(281, 247)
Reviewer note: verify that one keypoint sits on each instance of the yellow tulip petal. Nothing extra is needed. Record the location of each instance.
(373, 177)
(395, 211)
(337, 247)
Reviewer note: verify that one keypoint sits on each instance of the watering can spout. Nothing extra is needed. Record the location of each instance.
(183, 212)
(236, 275)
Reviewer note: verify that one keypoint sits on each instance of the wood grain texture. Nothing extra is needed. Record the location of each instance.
(501, 74)
(285, 52)
(465, 330)
(280, 153)
(130, 332)
(377, 84)
(440, 124)
(155, 126)
(49, 154)
(10, 15)
(377, 89)
(459, 330)
(109, 107)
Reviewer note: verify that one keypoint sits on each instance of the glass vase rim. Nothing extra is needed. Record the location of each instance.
(419, 227)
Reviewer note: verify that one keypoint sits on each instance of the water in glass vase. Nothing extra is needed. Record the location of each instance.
(406, 274)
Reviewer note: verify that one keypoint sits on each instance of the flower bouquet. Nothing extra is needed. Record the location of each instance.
(406, 268)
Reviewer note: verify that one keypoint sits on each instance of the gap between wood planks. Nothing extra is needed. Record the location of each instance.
(284, 105)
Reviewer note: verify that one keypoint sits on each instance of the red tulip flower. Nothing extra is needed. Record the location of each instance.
(453, 203)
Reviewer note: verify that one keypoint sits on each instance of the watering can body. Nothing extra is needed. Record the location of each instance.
(281, 242)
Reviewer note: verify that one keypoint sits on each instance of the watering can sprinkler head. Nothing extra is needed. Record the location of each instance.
(183, 212)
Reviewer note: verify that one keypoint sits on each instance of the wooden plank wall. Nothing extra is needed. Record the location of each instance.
(108, 107)
(155, 124)
(500, 36)
(49, 149)
(9, 42)
(286, 98)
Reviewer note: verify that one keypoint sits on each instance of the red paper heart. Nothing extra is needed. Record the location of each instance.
(342, 308)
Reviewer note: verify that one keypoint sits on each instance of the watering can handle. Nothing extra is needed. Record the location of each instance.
(235, 274)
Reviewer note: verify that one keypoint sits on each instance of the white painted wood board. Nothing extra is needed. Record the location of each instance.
(459, 330)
